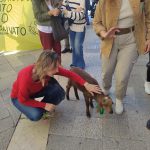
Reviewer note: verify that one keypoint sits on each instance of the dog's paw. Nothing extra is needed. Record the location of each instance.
(92, 106)
(88, 114)
(67, 97)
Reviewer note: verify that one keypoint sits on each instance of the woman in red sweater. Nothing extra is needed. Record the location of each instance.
(37, 80)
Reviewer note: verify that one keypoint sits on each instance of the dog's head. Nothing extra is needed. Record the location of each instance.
(105, 102)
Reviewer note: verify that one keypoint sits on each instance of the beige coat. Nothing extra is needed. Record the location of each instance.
(106, 16)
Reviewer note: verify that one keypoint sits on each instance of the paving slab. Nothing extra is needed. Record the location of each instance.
(5, 70)
(30, 135)
(6, 123)
(122, 144)
(87, 128)
(62, 125)
(117, 127)
(5, 138)
(72, 143)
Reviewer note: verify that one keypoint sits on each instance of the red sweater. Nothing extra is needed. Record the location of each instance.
(24, 86)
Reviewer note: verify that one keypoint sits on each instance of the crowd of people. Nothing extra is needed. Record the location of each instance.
(124, 29)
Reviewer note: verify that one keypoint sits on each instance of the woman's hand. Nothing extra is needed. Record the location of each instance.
(110, 33)
(50, 107)
(65, 11)
(147, 46)
(92, 88)
(54, 12)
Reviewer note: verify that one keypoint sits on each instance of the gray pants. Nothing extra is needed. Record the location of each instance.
(123, 56)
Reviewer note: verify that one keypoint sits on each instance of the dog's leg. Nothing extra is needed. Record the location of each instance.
(87, 106)
(91, 103)
(68, 89)
(76, 92)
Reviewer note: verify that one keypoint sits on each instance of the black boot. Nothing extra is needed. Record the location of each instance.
(148, 124)
(67, 50)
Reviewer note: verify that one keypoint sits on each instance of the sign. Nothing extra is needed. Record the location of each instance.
(18, 29)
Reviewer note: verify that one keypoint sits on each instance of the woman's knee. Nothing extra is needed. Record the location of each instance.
(55, 95)
(60, 92)
(35, 116)
(63, 94)
(60, 95)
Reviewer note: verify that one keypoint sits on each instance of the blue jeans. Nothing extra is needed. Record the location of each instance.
(76, 41)
(53, 93)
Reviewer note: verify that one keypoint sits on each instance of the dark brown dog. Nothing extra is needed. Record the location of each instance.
(103, 101)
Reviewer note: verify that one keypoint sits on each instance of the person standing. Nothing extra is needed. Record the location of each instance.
(77, 29)
(43, 11)
(124, 28)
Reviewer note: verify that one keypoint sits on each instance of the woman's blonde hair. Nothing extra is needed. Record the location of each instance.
(47, 59)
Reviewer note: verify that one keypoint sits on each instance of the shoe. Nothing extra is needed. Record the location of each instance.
(119, 107)
(147, 87)
(48, 115)
(148, 124)
(71, 66)
(67, 50)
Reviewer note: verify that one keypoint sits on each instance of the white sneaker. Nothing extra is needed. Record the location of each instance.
(147, 87)
(119, 107)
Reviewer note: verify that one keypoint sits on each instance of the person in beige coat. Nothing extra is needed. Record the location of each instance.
(124, 29)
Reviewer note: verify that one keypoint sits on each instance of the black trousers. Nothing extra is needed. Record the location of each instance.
(53, 93)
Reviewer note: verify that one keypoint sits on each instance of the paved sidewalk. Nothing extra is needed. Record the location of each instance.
(69, 128)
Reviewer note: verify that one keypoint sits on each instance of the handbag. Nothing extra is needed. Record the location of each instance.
(59, 32)
(70, 21)
(67, 22)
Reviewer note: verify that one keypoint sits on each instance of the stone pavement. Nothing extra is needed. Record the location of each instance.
(69, 128)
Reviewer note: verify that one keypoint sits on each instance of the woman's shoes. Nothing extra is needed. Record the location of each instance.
(48, 115)
(148, 124)
(67, 50)
(119, 107)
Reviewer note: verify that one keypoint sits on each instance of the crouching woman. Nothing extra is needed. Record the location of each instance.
(37, 80)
